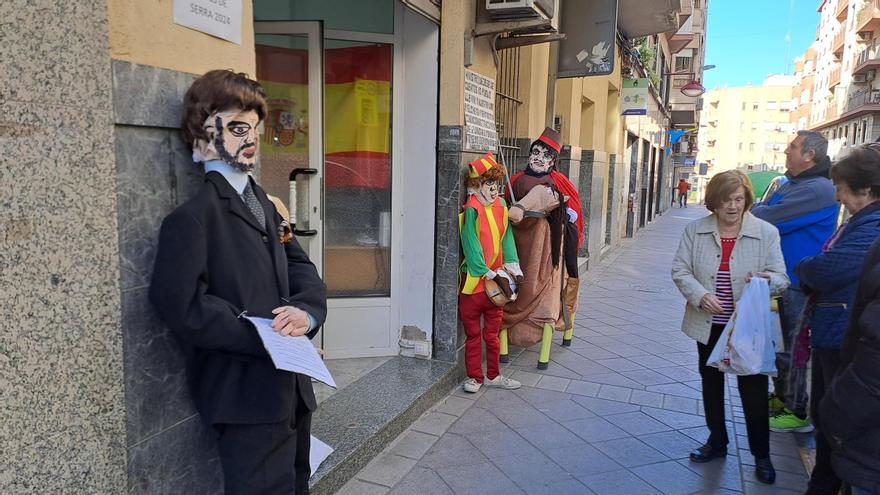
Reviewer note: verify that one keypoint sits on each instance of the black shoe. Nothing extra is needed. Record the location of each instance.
(706, 453)
(764, 471)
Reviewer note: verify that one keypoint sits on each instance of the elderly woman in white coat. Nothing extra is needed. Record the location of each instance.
(717, 256)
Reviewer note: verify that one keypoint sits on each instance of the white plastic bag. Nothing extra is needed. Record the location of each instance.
(746, 345)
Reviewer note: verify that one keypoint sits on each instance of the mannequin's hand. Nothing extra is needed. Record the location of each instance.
(515, 213)
(290, 321)
(504, 285)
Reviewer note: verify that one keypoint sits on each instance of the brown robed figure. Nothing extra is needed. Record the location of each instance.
(548, 226)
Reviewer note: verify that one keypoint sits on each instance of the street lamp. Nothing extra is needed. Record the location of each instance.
(693, 88)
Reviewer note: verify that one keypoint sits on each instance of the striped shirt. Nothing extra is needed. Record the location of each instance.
(723, 287)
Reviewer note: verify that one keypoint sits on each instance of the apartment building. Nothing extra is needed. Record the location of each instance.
(846, 93)
(802, 98)
(688, 45)
(748, 127)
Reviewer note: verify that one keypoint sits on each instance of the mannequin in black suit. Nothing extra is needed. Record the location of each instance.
(218, 260)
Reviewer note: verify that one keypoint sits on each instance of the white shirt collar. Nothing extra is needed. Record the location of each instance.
(236, 178)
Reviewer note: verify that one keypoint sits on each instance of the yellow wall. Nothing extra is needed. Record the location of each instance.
(589, 107)
(458, 22)
(143, 32)
(534, 61)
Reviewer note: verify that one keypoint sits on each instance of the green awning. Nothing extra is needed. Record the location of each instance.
(760, 181)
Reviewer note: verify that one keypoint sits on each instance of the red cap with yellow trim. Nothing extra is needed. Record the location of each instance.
(482, 165)
(550, 138)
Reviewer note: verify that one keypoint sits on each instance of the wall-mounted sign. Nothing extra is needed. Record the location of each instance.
(590, 29)
(635, 97)
(220, 18)
(479, 112)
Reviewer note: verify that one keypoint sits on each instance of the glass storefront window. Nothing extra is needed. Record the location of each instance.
(357, 157)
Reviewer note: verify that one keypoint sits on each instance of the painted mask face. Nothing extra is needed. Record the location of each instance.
(488, 191)
(541, 159)
(233, 138)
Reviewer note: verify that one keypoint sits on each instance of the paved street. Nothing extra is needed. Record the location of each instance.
(616, 413)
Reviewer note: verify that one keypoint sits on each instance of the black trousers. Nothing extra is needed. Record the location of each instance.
(753, 392)
(825, 364)
(266, 459)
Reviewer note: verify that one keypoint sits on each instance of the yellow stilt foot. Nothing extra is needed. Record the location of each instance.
(502, 339)
(566, 337)
(546, 340)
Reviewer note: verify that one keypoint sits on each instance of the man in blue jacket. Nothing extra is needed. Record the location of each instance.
(805, 211)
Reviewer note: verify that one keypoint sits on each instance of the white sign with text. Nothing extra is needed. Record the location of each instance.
(220, 18)
(479, 112)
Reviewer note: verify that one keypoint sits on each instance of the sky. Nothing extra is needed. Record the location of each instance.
(746, 39)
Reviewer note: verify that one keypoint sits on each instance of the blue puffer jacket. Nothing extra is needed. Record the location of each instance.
(805, 211)
(831, 277)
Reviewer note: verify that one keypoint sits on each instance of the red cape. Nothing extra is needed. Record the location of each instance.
(567, 188)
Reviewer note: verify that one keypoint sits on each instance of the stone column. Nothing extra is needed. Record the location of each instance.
(447, 337)
(62, 412)
(585, 187)
(170, 450)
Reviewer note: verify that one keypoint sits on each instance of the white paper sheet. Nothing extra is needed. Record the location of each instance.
(319, 452)
(295, 354)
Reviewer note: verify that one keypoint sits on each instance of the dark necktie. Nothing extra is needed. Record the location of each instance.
(253, 204)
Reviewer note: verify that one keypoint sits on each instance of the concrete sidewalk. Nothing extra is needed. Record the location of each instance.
(615, 413)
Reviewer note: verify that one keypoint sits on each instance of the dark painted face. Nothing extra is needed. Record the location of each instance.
(237, 144)
(541, 159)
(233, 138)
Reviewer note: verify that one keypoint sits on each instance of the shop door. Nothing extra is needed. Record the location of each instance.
(326, 151)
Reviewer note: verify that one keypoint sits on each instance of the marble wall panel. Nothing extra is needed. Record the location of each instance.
(148, 96)
(170, 451)
(155, 174)
(156, 393)
(447, 336)
(611, 194)
(182, 460)
(585, 190)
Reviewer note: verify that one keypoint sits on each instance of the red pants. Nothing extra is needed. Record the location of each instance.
(470, 308)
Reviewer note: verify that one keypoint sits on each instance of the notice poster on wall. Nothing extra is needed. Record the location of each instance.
(220, 18)
(479, 112)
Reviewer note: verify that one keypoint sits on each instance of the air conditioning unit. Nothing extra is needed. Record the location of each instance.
(510, 10)
(865, 35)
(859, 78)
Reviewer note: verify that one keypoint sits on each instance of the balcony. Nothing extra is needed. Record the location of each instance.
(839, 41)
(863, 102)
(842, 10)
(869, 59)
(834, 78)
(868, 17)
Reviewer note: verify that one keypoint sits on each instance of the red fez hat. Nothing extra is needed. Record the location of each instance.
(551, 138)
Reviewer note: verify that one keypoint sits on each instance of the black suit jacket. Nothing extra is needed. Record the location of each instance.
(215, 261)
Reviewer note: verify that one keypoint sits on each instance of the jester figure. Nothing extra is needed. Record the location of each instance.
(489, 258)
(549, 227)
